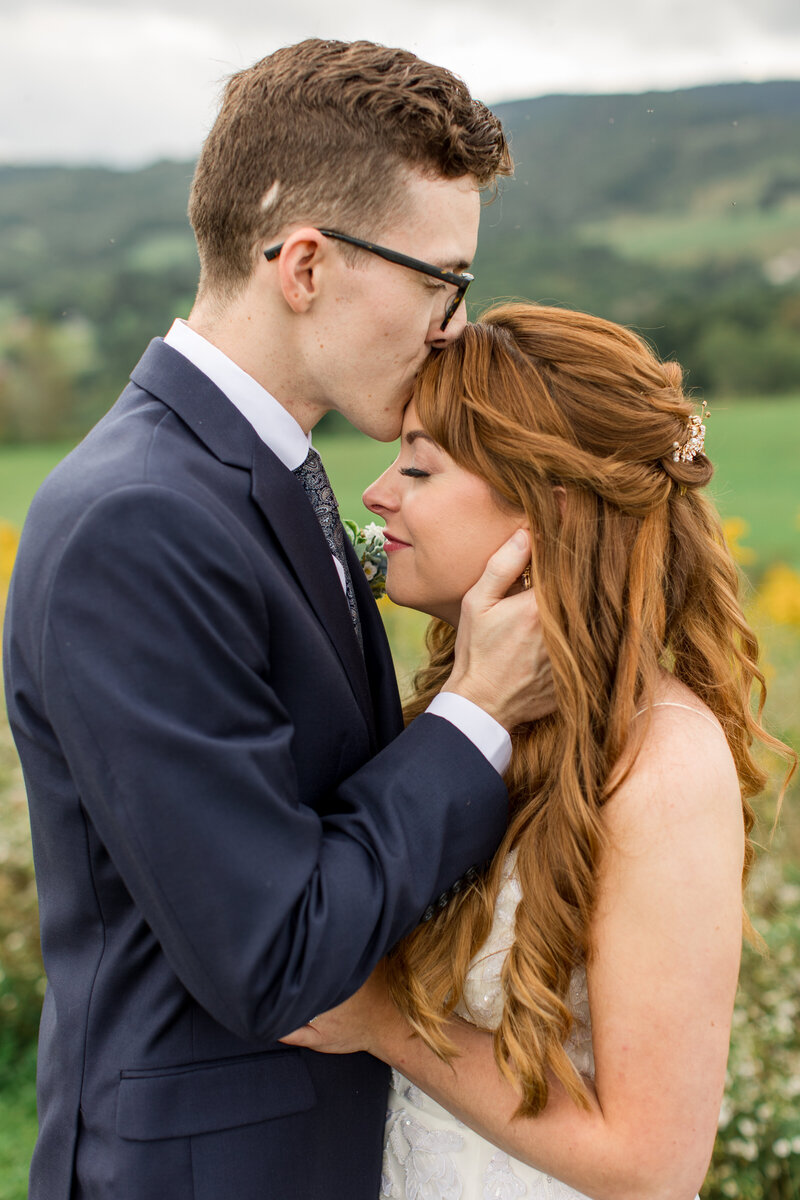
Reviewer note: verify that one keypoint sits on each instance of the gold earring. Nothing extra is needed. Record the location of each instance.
(526, 578)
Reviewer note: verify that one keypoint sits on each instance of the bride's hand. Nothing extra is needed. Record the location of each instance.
(367, 1021)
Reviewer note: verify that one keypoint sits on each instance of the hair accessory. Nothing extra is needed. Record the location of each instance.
(526, 578)
(695, 438)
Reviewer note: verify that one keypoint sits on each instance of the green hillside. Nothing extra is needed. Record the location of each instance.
(677, 212)
(655, 152)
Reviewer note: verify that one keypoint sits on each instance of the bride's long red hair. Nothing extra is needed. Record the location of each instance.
(632, 576)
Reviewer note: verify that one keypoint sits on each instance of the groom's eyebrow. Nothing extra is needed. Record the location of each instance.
(455, 268)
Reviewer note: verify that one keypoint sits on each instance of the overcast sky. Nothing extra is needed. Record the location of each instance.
(130, 81)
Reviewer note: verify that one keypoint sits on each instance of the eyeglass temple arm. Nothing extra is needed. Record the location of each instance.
(393, 256)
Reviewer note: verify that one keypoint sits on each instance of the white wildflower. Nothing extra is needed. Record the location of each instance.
(746, 1150)
(374, 531)
(789, 895)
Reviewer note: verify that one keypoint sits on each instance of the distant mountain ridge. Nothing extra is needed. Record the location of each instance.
(579, 157)
(675, 211)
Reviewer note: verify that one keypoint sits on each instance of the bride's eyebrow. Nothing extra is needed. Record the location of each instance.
(414, 435)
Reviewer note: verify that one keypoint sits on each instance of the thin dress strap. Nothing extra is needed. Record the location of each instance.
(688, 707)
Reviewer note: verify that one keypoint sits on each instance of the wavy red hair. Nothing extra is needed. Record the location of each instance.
(633, 577)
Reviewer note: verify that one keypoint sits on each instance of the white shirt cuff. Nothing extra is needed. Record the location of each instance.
(486, 734)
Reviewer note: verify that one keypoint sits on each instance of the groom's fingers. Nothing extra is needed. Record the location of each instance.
(306, 1035)
(331, 1041)
(502, 570)
(500, 660)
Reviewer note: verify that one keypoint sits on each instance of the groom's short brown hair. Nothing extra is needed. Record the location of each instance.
(321, 132)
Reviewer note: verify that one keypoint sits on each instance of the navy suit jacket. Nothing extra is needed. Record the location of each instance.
(230, 827)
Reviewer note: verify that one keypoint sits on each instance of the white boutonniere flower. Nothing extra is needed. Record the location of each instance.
(368, 545)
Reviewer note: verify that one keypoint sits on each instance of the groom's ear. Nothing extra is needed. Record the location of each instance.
(298, 267)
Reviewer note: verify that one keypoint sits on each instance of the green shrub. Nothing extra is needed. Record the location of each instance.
(757, 1155)
(21, 978)
(17, 1120)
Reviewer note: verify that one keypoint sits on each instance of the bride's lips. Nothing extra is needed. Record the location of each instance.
(391, 543)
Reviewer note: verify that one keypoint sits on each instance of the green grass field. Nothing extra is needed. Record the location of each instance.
(687, 238)
(755, 445)
(22, 469)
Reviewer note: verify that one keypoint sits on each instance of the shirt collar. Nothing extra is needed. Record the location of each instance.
(271, 421)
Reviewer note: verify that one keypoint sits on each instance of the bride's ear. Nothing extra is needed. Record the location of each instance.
(560, 493)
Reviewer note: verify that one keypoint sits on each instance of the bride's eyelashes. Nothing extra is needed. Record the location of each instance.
(414, 473)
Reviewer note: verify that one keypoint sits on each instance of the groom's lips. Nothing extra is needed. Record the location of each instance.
(392, 543)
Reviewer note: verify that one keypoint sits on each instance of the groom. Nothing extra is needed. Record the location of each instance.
(230, 826)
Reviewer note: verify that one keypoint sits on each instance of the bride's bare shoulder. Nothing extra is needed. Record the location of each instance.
(678, 727)
(684, 774)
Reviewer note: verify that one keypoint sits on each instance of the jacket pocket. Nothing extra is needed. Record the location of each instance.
(207, 1097)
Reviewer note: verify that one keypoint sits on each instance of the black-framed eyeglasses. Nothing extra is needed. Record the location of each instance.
(460, 281)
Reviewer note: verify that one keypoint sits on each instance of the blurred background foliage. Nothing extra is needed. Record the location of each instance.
(677, 213)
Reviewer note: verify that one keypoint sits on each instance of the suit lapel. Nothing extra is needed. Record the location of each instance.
(285, 506)
(378, 655)
(280, 497)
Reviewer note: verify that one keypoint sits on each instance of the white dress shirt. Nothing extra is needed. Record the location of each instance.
(278, 429)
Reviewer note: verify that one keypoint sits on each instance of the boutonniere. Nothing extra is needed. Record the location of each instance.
(368, 545)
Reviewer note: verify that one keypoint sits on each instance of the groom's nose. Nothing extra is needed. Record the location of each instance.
(439, 338)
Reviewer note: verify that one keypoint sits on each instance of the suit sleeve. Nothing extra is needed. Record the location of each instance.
(157, 685)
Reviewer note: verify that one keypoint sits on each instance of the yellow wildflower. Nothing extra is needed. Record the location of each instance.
(779, 595)
(9, 540)
(735, 528)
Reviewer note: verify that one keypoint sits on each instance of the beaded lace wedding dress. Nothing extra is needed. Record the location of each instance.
(429, 1155)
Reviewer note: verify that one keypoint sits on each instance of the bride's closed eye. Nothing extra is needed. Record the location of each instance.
(414, 472)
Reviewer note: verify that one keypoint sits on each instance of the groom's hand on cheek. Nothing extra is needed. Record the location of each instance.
(501, 662)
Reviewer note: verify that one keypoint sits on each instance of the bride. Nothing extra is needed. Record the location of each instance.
(560, 1028)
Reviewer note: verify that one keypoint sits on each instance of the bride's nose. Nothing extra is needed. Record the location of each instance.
(381, 496)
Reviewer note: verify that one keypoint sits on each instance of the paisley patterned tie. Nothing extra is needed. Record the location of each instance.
(314, 479)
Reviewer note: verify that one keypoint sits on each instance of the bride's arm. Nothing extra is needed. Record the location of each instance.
(662, 979)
